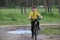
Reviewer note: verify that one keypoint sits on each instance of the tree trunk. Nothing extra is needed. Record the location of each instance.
(49, 5)
(37, 2)
(32, 2)
(59, 6)
(25, 7)
(27, 3)
(45, 5)
(25, 10)
(21, 10)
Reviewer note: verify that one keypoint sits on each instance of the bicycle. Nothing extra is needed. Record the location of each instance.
(35, 30)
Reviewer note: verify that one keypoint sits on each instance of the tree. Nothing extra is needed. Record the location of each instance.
(59, 5)
(49, 5)
(2, 3)
(45, 5)
(23, 7)
(37, 2)
(27, 2)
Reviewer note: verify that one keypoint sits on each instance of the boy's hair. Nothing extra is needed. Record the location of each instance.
(33, 6)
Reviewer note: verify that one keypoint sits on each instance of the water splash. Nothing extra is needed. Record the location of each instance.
(19, 31)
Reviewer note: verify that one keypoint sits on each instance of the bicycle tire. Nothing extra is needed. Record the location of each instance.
(36, 33)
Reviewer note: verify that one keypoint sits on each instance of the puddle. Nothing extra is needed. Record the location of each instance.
(19, 31)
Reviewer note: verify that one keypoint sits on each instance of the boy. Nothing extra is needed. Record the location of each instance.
(33, 17)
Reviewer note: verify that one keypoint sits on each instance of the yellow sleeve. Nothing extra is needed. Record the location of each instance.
(39, 15)
(30, 15)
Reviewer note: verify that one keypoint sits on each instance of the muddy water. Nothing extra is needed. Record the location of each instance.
(19, 31)
(11, 34)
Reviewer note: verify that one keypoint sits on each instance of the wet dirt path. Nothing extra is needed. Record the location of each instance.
(6, 36)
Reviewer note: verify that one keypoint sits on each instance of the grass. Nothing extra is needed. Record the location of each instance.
(51, 31)
(15, 17)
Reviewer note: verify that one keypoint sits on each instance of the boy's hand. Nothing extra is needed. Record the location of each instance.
(41, 17)
(29, 18)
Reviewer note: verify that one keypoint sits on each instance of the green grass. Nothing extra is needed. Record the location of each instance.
(51, 31)
(15, 17)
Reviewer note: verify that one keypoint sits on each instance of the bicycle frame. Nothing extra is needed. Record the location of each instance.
(35, 30)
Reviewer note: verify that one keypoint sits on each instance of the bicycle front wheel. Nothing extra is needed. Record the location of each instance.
(36, 33)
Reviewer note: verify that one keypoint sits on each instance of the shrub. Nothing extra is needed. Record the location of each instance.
(45, 14)
(1, 16)
(12, 16)
(12, 5)
(50, 14)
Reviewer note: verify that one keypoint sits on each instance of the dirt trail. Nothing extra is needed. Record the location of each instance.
(6, 36)
(28, 37)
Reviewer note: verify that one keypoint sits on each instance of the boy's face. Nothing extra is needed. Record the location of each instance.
(33, 9)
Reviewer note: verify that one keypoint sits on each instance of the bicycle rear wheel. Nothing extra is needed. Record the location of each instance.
(36, 33)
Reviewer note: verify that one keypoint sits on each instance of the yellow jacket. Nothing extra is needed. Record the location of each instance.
(33, 15)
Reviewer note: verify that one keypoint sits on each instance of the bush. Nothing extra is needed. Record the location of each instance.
(1, 16)
(8, 17)
(12, 5)
(50, 14)
(47, 14)
(12, 16)
(55, 6)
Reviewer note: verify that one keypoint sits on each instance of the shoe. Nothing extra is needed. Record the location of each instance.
(39, 29)
(32, 37)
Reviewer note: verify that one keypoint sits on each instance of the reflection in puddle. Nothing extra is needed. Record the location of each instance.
(19, 31)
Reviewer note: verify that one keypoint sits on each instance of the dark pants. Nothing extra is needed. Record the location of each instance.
(32, 26)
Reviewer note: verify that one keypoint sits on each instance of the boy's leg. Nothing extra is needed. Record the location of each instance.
(32, 28)
(38, 25)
